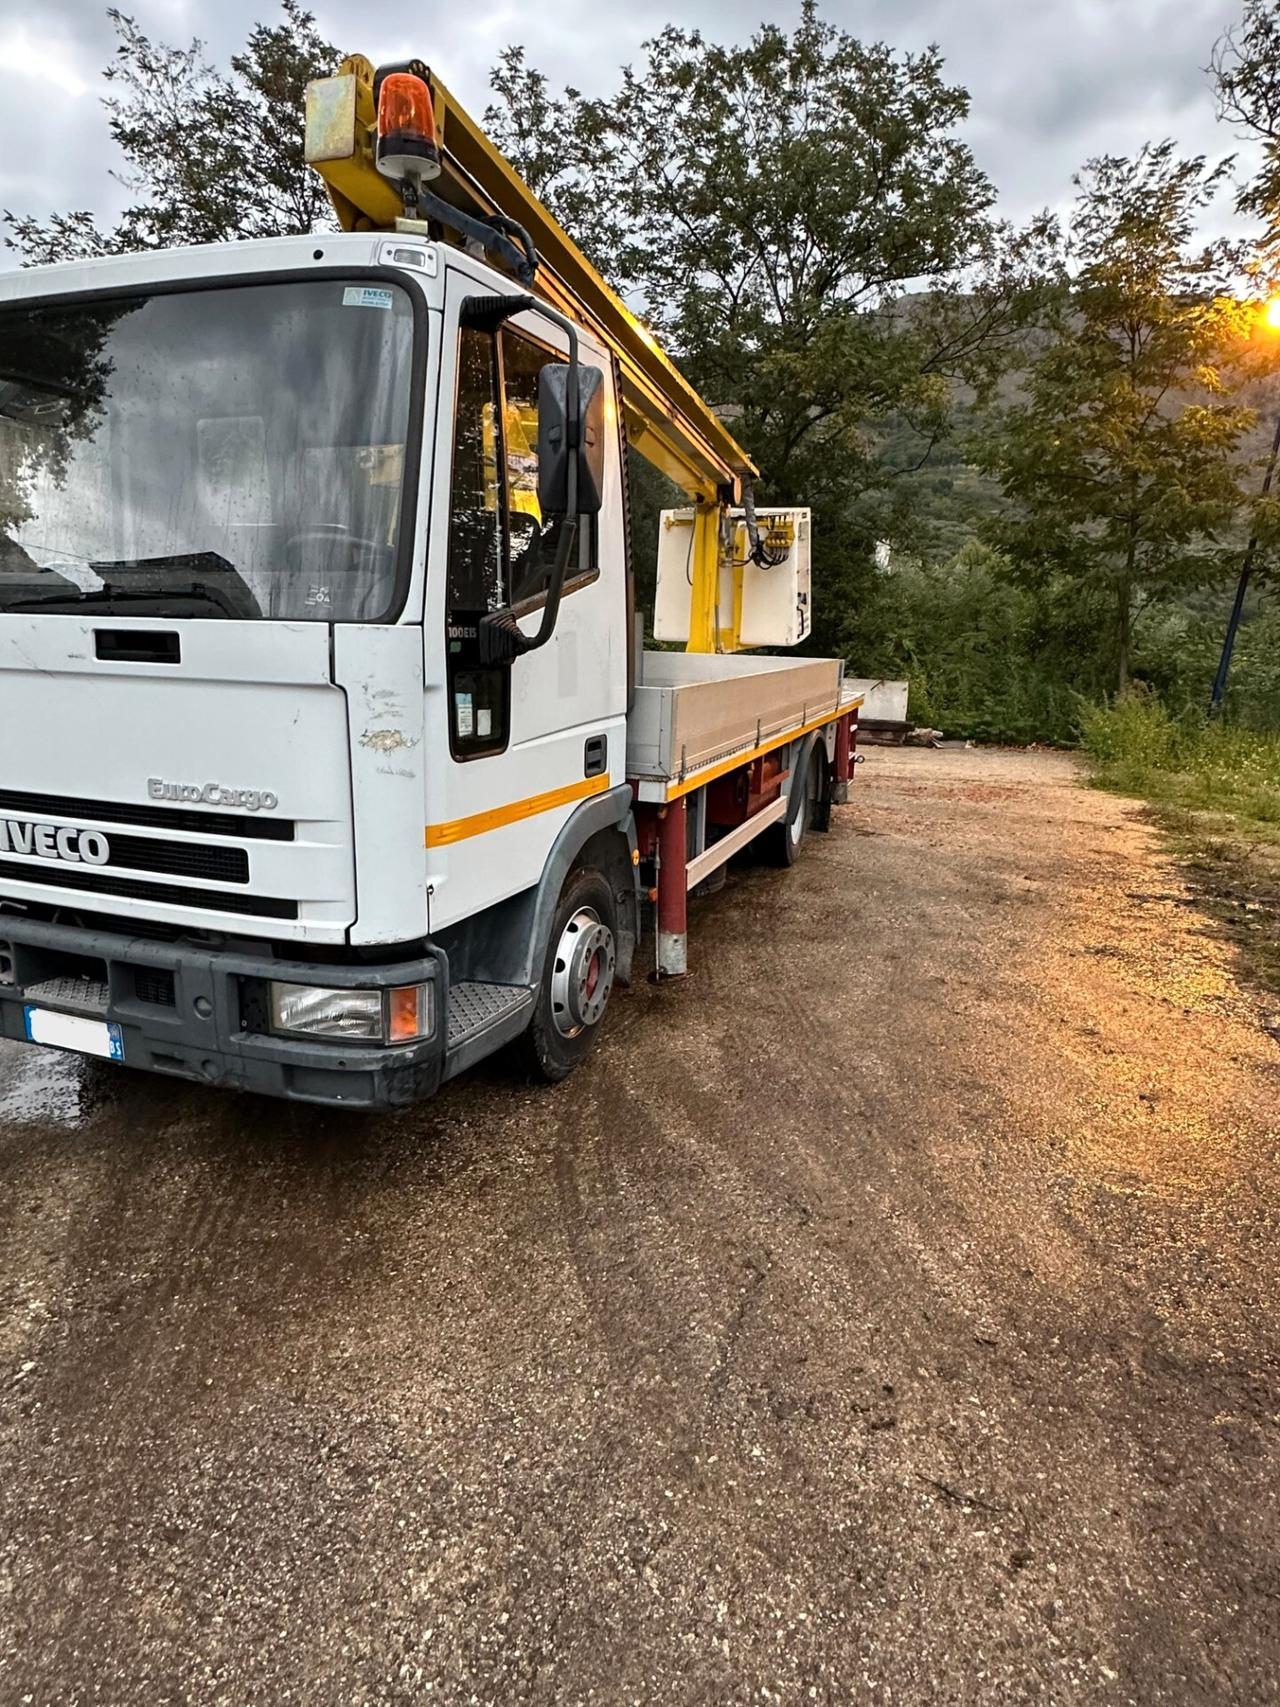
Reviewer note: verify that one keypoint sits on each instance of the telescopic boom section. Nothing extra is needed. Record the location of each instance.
(475, 196)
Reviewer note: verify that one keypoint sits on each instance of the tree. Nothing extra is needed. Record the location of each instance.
(769, 207)
(560, 145)
(211, 157)
(1121, 463)
(1246, 72)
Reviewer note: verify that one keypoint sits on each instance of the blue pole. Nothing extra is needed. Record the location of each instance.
(1246, 570)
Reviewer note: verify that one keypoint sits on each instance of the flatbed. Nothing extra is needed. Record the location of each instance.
(723, 749)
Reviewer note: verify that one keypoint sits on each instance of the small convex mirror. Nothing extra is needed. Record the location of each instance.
(553, 456)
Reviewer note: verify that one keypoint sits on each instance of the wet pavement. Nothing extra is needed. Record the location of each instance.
(886, 1313)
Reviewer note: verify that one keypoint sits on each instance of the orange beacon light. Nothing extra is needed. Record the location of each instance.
(407, 148)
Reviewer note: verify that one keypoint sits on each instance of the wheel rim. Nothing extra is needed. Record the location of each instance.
(582, 972)
(808, 800)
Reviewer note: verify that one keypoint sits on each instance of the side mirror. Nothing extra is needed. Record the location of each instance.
(553, 436)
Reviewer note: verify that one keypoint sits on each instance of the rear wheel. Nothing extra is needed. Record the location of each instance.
(577, 978)
(784, 840)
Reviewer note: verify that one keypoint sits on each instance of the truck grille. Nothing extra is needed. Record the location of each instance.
(179, 859)
(103, 881)
(245, 826)
(182, 859)
(172, 859)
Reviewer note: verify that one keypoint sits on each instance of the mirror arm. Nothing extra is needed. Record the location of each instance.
(501, 637)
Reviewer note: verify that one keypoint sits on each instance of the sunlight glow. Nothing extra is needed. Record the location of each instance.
(1272, 313)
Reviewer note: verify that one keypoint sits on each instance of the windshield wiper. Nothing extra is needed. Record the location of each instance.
(233, 598)
(109, 596)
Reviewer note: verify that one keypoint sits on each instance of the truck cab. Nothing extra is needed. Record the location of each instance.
(275, 811)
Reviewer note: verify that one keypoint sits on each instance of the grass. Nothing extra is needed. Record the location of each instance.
(1215, 768)
(1215, 790)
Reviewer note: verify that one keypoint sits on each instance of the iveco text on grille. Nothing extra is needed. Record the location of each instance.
(54, 841)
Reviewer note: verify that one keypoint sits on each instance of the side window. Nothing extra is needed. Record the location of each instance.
(534, 540)
(479, 696)
(476, 568)
(501, 548)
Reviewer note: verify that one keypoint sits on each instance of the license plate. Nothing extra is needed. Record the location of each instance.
(74, 1031)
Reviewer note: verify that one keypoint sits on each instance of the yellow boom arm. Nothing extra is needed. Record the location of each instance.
(667, 421)
(693, 445)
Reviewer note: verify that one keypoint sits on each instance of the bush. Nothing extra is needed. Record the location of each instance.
(1135, 731)
(1137, 745)
(987, 659)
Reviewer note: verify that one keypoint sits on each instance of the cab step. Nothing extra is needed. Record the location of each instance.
(482, 1017)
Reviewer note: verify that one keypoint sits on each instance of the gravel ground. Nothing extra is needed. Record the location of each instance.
(886, 1313)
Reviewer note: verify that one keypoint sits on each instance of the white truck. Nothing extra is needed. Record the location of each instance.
(328, 761)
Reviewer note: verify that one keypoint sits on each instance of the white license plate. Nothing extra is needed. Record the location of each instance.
(74, 1031)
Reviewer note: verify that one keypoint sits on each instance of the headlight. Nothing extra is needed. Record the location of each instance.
(327, 1013)
(402, 1015)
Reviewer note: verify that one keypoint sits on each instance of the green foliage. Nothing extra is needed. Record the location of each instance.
(1120, 466)
(1253, 696)
(986, 658)
(1135, 730)
(562, 147)
(210, 156)
(1139, 746)
(768, 205)
(1246, 71)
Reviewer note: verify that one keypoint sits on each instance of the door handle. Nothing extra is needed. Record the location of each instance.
(137, 646)
(595, 755)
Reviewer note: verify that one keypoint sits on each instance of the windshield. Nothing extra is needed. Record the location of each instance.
(230, 452)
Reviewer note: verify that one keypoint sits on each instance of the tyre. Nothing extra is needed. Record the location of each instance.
(782, 842)
(577, 978)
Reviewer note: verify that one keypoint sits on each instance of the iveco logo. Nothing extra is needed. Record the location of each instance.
(213, 794)
(54, 841)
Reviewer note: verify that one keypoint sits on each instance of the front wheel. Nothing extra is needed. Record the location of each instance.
(577, 978)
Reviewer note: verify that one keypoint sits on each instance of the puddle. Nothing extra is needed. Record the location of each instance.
(40, 1085)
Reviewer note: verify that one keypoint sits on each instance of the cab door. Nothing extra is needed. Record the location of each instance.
(516, 746)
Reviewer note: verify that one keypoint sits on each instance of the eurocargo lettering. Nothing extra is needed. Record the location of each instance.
(214, 794)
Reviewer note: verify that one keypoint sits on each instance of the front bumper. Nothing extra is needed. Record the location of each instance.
(190, 1011)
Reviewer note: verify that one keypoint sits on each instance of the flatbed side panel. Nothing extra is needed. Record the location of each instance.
(693, 711)
(659, 789)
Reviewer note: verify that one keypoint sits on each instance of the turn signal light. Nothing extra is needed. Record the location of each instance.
(407, 142)
(408, 1013)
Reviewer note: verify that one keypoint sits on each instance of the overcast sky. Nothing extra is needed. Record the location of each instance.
(1052, 81)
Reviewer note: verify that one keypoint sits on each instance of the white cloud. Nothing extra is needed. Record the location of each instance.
(45, 64)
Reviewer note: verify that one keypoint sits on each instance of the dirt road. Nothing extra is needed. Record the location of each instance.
(886, 1314)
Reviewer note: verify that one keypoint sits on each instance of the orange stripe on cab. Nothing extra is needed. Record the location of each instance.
(460, 829)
